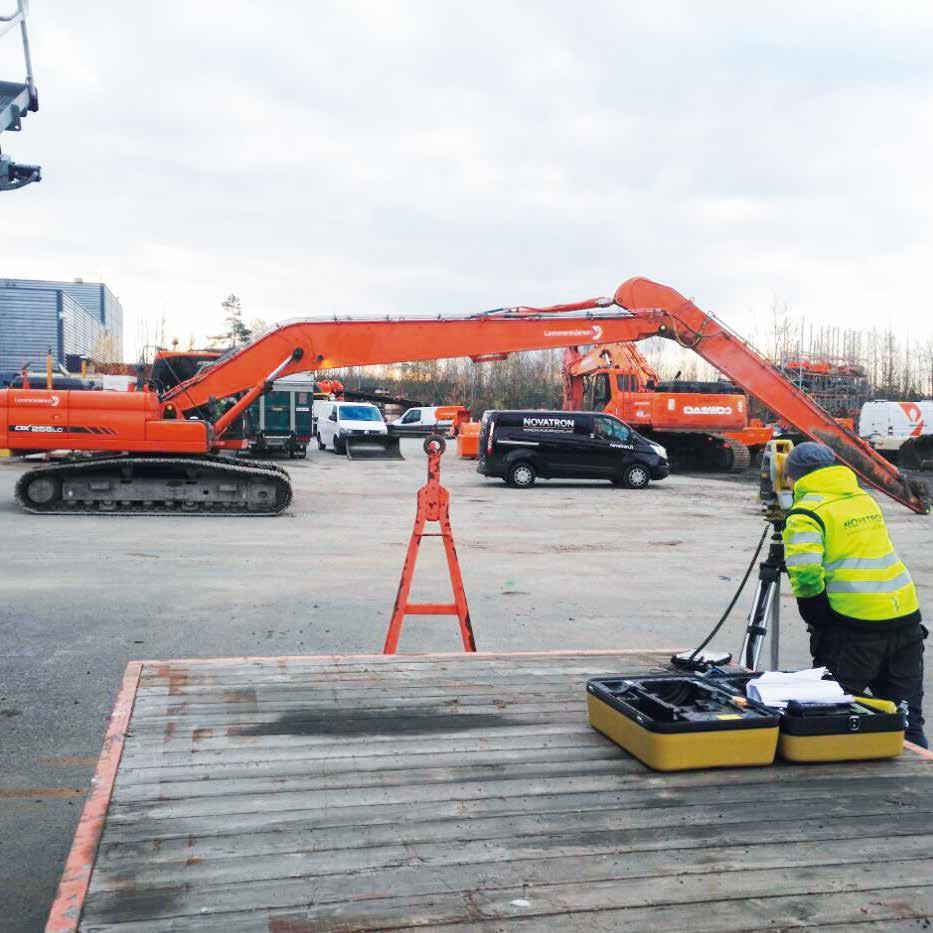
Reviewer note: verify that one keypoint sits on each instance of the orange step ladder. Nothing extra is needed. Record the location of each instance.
(433, 506)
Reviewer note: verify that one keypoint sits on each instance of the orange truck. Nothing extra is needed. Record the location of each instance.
(157, 451)
(702, 425)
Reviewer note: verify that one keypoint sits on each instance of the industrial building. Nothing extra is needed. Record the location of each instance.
(72, 319)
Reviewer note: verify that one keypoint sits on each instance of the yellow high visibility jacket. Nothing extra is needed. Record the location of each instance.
(836, 539)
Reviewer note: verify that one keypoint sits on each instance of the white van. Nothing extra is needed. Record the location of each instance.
(887, 425)
(336, 421)
(421, 421)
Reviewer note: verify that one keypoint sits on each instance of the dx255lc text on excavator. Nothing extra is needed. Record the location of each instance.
(157, 452)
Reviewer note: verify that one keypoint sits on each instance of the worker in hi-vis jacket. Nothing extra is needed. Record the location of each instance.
(855, 594)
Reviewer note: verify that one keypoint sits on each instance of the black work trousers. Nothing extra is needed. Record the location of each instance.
(890, 664)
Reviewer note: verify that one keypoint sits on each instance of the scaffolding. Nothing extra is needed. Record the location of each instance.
(839, 384)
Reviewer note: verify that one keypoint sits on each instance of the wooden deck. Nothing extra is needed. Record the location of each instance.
(356, 793)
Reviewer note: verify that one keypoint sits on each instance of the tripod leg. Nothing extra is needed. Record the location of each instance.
(766, 606)
(758, 619)
(775, 624)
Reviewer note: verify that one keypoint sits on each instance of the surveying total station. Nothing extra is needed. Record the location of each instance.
(777, 497)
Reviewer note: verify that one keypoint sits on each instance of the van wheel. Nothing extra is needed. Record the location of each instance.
(320, 443)
(634, 477)
(522, 475)
(340, 446)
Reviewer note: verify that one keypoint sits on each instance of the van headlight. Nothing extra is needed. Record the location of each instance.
(660, 451)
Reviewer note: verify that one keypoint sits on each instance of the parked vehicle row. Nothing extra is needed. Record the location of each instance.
(519, 447)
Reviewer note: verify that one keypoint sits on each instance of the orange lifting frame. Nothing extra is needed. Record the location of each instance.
(433, 506)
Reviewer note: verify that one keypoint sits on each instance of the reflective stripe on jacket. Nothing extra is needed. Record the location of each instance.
(836, 539)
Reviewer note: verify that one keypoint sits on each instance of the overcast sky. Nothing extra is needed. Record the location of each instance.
(318, 157)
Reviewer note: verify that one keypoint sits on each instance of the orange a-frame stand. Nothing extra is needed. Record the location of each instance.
(433, 506)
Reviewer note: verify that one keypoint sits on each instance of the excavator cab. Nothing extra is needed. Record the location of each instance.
(17, 100)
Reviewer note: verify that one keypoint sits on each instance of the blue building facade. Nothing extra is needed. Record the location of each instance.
(72, 319)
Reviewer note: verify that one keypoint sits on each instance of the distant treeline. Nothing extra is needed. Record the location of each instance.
(525, 380)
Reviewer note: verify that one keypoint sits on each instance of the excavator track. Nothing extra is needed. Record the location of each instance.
(160, 485)
(741, 456)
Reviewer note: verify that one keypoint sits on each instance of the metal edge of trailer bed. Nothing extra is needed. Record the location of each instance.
(66, 910)
(65, 914)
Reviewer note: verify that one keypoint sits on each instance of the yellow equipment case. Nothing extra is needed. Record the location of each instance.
(864, 729)
(673, 723)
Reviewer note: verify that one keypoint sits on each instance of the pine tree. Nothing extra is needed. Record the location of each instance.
(237, 333)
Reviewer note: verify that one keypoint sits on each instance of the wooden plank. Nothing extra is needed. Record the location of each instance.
(615, 767)
(384, 764)
(298, 738)
(246, 860)
(443, 839)
(420, 794)
(376, 754)
(174, 683)
(261, 811)
(352, 686)
(349, 779)
(220, 883)
(817, 911)
(246, 701)
(324, 718)
(177, 683)
(364, 900)
(437, 659)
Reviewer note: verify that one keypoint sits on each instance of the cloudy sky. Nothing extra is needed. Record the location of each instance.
(411, 157)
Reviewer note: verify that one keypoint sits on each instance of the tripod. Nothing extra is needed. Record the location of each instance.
(766, 607)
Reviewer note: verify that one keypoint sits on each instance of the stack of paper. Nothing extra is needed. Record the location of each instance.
(776, 688)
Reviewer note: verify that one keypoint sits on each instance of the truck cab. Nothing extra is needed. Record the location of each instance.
(521, 446)
(424, 420)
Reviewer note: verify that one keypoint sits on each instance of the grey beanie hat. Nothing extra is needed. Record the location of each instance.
(807, 457)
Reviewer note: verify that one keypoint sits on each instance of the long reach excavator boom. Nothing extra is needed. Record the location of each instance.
(161, 446)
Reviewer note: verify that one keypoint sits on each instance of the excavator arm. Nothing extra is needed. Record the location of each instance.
(715, 343)
(338, 343)
(639, 309)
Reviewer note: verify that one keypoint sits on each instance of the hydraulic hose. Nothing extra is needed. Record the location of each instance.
(735, 598)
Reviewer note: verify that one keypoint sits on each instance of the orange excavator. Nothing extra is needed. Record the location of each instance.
(157, 451)
(702, 425)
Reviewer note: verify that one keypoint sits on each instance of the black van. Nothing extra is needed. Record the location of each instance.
(520, 446)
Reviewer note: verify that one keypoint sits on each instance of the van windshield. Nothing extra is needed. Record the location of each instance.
(359, 413)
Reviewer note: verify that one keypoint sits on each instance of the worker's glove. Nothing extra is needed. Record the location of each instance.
(815, 610)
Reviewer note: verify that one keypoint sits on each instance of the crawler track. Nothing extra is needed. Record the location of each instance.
(132, 485)
(741, 456)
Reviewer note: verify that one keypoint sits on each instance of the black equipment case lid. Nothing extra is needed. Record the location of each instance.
(681, 704)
